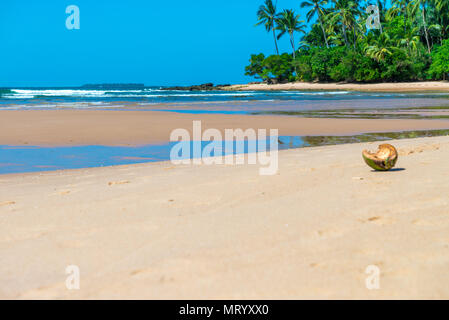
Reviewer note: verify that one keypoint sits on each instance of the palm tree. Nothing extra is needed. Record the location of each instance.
(267, 15)
(316, 7)
(288, 22)
(345, 11)
(442, 3)
(359, 30)
(411, 40)
(443, 10)
(415, 6)
(379, 8)
(442, 6)
(380, 48)
(402, 5)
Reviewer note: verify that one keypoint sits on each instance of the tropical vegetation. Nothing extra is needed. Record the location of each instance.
(343, 40)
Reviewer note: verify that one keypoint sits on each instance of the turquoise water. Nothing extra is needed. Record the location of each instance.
(19, 159)
(190, 111)
(30, 159)
(72, 97)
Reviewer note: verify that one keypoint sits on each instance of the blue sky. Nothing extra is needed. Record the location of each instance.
(154, 42)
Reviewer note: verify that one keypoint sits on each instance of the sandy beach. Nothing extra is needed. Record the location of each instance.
(164, 231)
(93, 127)
(428, 86)
(209, 232)
(143, 156)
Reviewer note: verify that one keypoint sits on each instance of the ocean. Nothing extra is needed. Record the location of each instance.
(151, 97)
(16, 159)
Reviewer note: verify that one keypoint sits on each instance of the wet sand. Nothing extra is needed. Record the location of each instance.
(430, 86)
(302, 105)
(160, 231)
(100, 127)
(225, 232)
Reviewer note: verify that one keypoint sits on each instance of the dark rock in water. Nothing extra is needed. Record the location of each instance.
(201, 87)
(275, 81)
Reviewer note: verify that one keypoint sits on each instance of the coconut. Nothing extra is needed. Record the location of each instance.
(383, 160)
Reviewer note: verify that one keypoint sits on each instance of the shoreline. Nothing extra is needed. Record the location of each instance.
(133, 128)
(158, 231)
(424, 86)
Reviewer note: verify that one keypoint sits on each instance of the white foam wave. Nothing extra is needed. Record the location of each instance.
(60, 105)
(156, 93)
(311, 93)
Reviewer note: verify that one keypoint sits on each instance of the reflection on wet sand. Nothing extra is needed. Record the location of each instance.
(18, 159)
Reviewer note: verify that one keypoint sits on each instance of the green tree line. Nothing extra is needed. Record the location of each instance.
(409, 44)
